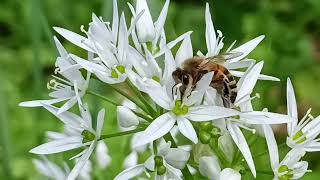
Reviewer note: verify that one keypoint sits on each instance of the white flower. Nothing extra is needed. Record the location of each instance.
(126, 118)
(151, 35)
(53, 171)
(63, 87)
(83, 135)
(180, 112)
(102, 155)
(302, 134)
(209, 166)
(131, 160)
(167, 164)
(291, 167)
(248, 117)
(50, 169)
(215, 44)
(148, 67)
(112, 62)
(145, 28)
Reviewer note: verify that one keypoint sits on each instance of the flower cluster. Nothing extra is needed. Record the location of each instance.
(186, 130)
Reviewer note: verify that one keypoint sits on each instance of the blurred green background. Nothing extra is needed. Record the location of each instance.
(27, 55)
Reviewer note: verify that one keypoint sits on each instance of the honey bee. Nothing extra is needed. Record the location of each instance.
(192, 70)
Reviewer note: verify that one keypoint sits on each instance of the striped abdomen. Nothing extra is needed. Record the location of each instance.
(223, 81)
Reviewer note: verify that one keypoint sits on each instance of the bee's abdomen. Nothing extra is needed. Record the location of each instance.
(224, 83)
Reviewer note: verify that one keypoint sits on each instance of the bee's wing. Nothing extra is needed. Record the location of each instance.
(221, 58)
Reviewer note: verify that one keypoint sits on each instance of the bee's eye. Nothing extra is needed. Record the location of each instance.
(185, 79)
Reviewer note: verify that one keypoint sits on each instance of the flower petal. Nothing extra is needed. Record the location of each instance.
(185, 51)
(291, 107)
(272, 146)
(59, 145)
(169, 67)
(241, 142)
(206, 113)
(130, 172)
(230, 174)
(158, 94)
(63, 53)
(186, 128)
(247, 48)
(161, 20)
(261, 117)
(81, 163)
(145, 27)
(100, 121)
(158, 128)
(177, 157)
(240, 64)
(115, 21)
(226, 145)
(66, 117)
(172, 43)
(209, 167)
(74, 38)
(260, 77)
(126, 118)
(249, 82)
(211, 39)
(131, 160)
(38, 103)
(102, 156)
(122, 41)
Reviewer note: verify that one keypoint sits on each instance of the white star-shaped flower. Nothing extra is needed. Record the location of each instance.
(63, 87)
(166, 164)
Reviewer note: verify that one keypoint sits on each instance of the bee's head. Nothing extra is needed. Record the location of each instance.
(184, 78)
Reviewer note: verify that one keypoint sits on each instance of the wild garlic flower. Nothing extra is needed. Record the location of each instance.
(63, 87)
(180, 112)
(148, 68)
(302, 134)
(82, 136)
(51, 170)
(215, 44)
(161, 110)
(291, 167)
(209, 167)
(166, 164)
(148, 34)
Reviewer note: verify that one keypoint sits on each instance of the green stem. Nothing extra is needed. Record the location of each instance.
(141, 98)
(264, 172)
(124, 94)
(103, 97)
(106, 136)
(147, 118)
(266, 151)
(185, 171)
(215, 148)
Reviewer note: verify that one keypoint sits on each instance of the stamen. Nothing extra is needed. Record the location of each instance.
(62, 80)
(56, 71)
(83, 30)
(247, 128)
(231, 46)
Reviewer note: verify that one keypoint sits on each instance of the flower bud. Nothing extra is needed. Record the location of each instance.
(145, 26)
(158, 160)
(204, 137)
(102, 155)
(161, 170)
(126, 118)
(206, 126)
